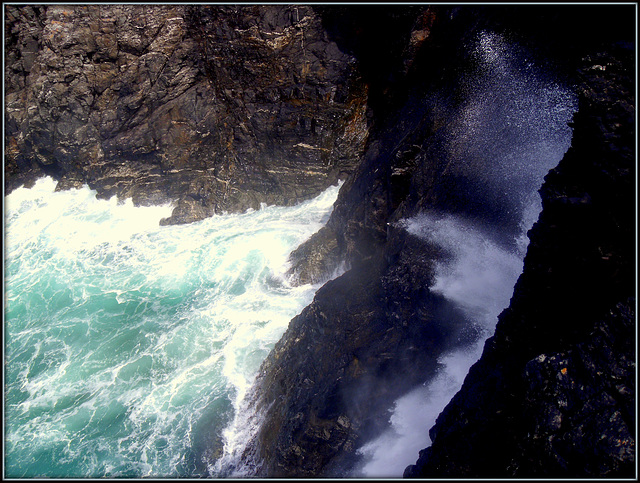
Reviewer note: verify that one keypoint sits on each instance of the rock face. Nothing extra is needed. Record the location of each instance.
(326, 386)
(556, 385)
(554, 394)
(225, 107)
(215, 108)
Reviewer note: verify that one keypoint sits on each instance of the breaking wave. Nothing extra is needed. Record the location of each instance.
(128, 345)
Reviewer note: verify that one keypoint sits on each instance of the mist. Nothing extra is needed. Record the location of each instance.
(510, 129)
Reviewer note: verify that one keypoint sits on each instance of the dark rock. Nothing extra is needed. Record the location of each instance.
(326, 406)
(187, 211)
(562, 297)
(383, 327)
(108, 94)
(552, 395)
(316, 259)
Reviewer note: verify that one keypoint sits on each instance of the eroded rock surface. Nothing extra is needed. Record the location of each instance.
(554, 394)
(215, 108)
(329, 382)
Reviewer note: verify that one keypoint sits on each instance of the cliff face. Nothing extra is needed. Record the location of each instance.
(215, 108)
(222, 108)
(554, 392)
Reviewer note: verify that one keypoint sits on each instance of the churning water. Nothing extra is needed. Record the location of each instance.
(128, 343)
(510, 130)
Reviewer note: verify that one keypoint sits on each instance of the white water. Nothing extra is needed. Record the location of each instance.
(480, 280)
(511, 130)
(126, 341)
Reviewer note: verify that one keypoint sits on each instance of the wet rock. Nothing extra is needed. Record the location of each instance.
(373, 333)
(329, 381)
(109, 93)
(316, 259)
(187, 211)
(551, 395)
(563, 296)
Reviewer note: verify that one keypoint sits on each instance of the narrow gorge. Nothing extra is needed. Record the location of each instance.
(379, 240)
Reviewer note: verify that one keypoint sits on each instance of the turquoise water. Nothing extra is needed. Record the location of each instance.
(128, 345)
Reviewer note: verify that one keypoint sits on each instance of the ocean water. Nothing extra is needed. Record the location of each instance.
(129, 345)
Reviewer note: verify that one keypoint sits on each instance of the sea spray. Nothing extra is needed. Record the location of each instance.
(126, 341)
(507, 133)
(478, 276)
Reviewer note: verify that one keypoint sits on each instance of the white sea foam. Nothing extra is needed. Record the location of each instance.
(122, 334)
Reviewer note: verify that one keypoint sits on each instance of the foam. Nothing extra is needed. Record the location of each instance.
(121, 331)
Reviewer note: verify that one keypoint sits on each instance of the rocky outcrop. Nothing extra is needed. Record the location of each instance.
(554, 392)
(328, 382)
(377, 331)
(220, 108)
(214, 108)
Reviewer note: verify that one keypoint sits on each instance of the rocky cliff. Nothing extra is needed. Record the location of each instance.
(554, 392)
(224, 107)
(378, 330)
(214, 108)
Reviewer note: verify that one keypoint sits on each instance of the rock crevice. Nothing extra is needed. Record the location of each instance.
(222, 108)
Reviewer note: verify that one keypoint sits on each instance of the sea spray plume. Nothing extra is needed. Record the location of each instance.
(509, 129)
(512, 125)
(553, 395)
(478, 275)
(475, 274)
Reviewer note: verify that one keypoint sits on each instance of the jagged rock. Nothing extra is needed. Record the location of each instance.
(579, 404)
(335, 371)
(187, 211)
(404, 171)
(316, 259)
(255, 103)
(375, 332)
(552, 395)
